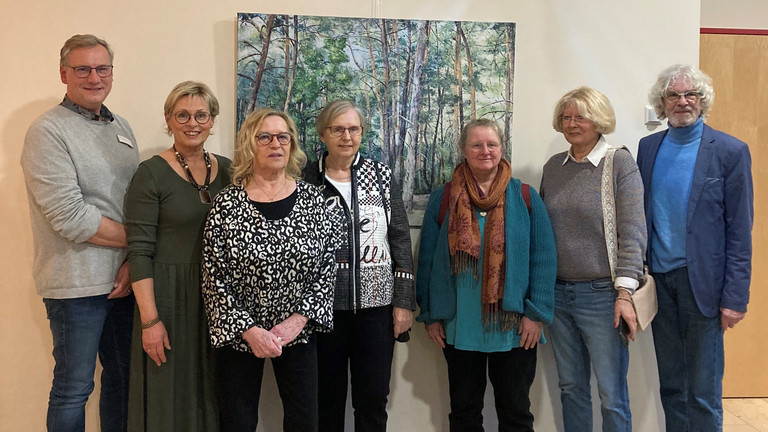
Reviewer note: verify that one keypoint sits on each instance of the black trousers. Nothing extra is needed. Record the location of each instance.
(361, 345)
(239, 376)
(511, 374)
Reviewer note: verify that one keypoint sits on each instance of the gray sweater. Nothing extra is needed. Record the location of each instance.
(571, 193)
(76, 171)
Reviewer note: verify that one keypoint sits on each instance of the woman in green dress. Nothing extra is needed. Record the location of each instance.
(172, 387)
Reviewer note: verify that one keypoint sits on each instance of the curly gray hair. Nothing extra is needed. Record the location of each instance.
(698, 79)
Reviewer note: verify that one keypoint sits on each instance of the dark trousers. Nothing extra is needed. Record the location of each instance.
(690, 357)
(511, 374)
(239, 376)
(361, 345)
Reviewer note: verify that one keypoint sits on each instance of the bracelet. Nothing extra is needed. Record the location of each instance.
(150, 323)
(625, 290)
(626, 300)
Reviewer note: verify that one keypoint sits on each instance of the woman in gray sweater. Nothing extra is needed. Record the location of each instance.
(589, 303)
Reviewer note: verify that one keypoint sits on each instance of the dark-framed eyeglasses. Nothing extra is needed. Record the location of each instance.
(337, 131)
(690, 96)
(201, 117)
(103, 71)
(265, 138)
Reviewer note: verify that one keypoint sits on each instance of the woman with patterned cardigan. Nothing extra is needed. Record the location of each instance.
(374, 296)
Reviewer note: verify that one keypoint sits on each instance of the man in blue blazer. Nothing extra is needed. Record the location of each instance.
(699, 212)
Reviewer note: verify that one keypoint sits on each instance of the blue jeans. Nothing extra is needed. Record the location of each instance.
(361, 346)
(689, 353)
(511, 373)
(239, 375)
(582, 333)
(81, 329)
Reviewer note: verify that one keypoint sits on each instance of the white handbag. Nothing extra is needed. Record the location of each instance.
(644, 298)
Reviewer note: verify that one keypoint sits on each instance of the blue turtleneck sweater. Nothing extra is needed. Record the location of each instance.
(670, 189)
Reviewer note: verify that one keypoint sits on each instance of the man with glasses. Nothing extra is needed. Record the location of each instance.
(78, 159)
(699, 213)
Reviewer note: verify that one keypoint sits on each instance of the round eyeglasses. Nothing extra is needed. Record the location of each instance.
(103, 71)
(265, 138)
(337, 131)
(202, 117)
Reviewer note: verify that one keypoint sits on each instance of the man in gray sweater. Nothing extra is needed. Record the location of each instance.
(78, 159)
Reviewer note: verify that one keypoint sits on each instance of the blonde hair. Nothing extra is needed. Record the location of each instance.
(242, 166)
(591, 104)
(190, 89)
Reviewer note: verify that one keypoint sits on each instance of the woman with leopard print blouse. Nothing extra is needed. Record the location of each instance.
(268, 276)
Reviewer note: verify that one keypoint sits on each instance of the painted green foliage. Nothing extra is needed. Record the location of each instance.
(418, 82)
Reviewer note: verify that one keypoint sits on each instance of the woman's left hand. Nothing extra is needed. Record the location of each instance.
(287, 330)
(626, 310)
(529, 331)
(403, 318)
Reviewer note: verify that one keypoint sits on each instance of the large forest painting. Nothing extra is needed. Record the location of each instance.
(418, 83)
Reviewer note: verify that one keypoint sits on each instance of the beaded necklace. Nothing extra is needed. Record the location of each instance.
(202, 190)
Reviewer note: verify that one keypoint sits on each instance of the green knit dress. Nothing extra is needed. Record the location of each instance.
(165, 220)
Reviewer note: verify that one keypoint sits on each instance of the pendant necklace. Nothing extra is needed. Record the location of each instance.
(285, 182)
(202, 190)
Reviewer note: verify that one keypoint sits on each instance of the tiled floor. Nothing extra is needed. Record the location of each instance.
(745, 415)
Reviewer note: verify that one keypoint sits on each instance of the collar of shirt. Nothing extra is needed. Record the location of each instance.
(597, 153)
(104, 114)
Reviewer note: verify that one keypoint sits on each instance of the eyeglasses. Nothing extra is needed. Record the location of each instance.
(201, 117)
(85, 71)
(337, 131)
(265, 138)
(690, 96)
(577, 119)
(477, 147)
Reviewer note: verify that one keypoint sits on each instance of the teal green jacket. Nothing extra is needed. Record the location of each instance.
(531, 261)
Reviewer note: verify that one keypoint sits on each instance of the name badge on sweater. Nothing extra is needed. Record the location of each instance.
(124, 140)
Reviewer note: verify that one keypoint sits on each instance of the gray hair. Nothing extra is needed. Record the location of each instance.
(667, 78)
(82, 41)
(333, 110)
(481, 122)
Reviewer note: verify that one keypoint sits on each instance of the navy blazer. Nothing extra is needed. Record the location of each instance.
(719, 220)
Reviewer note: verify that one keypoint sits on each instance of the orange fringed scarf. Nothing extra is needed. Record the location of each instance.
(464, 239)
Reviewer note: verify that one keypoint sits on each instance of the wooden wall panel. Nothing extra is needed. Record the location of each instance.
(738, 65)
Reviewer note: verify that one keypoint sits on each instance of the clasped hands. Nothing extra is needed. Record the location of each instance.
(269, 343)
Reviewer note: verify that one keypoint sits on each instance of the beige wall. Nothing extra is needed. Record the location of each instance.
(617, 47)
(737, 14)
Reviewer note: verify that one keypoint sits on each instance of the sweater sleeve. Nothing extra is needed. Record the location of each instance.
(630, 217)
(142, 212)
(51, 178)
(540, 303)
(399, 238)
(427, 242)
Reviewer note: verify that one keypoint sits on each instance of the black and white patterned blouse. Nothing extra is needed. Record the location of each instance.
(258, 272)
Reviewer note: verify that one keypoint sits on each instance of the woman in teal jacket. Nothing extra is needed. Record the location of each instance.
(485, 282)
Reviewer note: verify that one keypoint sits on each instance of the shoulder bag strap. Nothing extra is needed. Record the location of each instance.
(609, 209)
